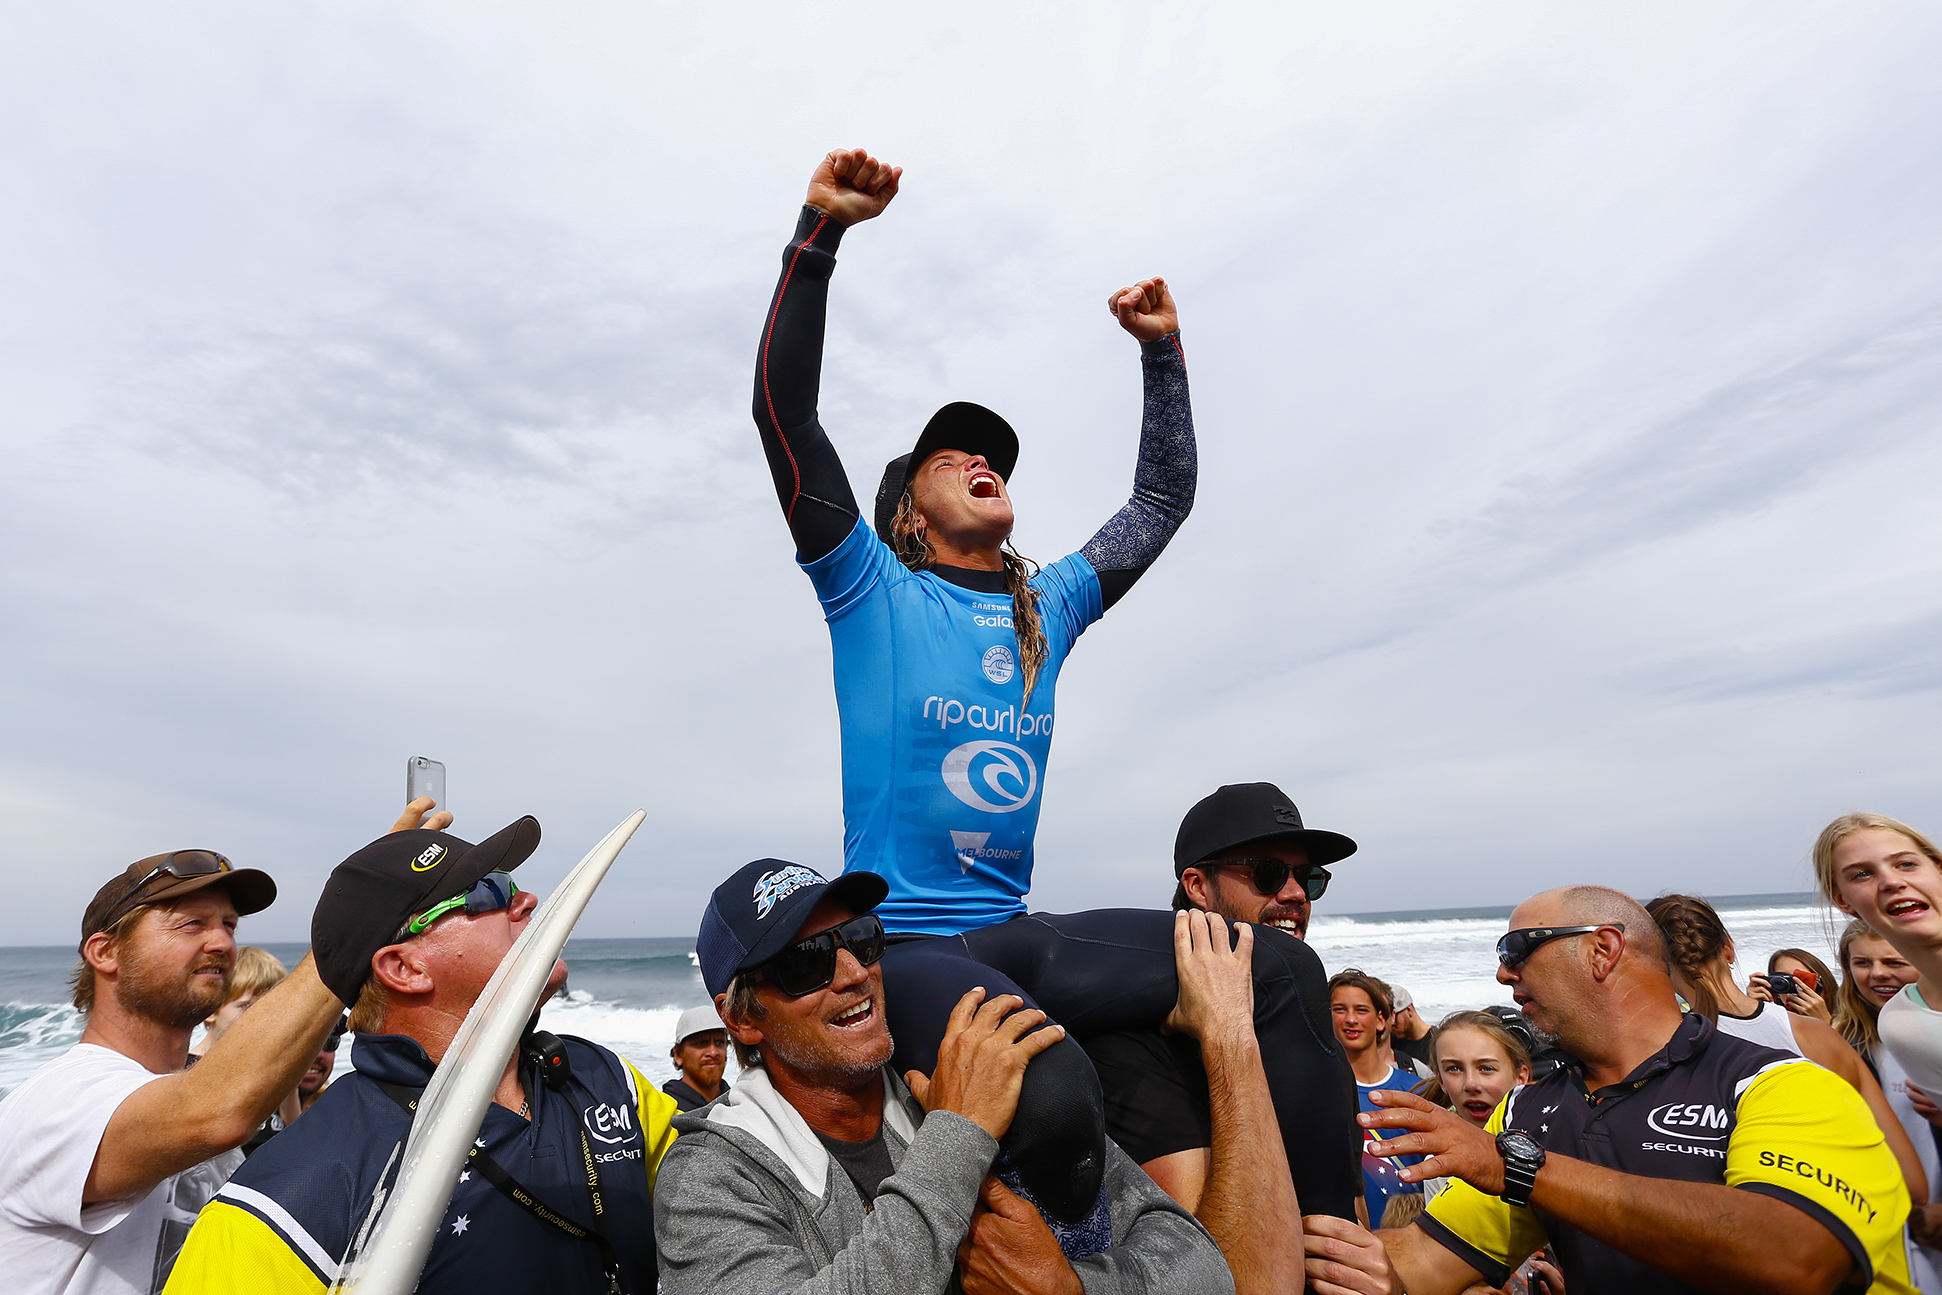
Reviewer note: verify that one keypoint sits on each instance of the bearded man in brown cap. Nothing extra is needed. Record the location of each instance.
(108, 1151)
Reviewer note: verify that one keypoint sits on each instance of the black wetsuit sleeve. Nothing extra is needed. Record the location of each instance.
(809, 479)
(1163, 484)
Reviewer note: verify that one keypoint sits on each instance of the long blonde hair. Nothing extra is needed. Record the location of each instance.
(914, 550)
(1847, 825)
(1855, 1012)
(1489, 1023)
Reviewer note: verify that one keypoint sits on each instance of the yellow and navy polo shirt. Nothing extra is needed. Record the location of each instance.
(1708, 1108)
(284, 1222)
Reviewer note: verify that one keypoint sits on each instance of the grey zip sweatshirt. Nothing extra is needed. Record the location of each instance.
(748, 1200)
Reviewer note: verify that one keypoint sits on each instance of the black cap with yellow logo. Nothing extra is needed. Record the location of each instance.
(371, 895)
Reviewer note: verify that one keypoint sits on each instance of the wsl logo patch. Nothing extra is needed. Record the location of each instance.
(995, 777)
(772, 887)
(998, 665)
(431, 858)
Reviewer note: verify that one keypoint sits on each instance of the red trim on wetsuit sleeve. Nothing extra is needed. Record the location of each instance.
(768, 336)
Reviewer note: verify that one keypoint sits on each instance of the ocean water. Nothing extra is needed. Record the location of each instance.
(627, 993)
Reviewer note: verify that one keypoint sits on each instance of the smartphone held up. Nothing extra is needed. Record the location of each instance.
(425, 777)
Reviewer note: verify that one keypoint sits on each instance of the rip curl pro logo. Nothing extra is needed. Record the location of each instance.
(432, 856)
(772, 887)
(998, 665)
(995, 777)
(1692, 1121)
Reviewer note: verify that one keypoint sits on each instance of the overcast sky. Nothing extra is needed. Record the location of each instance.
(1567, 378)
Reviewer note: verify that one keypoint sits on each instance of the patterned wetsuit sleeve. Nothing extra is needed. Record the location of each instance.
(809, 479)
(1804, 1136)
(1163, 484)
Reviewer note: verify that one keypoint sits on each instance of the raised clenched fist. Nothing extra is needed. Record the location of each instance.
(1146, 310)
(851, 185)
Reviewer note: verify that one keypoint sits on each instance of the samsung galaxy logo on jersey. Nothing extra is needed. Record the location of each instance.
(995, 777)
(772, 886)
(952, 711)
(1684, 1119)
(431, 858)
(992, 622)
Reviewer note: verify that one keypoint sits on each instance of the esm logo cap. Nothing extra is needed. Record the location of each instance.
(393, 879)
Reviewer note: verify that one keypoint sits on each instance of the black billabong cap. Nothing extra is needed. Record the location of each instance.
(169, 876)
(960, 425)
(376, 891)
(756, 913)
(1242, 813)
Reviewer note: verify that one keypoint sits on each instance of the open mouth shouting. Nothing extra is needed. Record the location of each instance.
(985, 485)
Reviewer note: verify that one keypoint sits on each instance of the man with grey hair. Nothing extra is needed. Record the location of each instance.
(1669, 1157)
(824, 1171)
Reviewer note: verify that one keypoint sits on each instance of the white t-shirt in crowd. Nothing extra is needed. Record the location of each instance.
(50, 1244)
(1912, 1030)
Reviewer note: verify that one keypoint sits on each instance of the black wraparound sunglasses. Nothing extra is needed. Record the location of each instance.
(1270, 875)
(1518, 945)
(809, 965)
(180, 865)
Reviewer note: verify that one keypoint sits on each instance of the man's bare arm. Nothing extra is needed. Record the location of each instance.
(183, 1119)
(1248, 1200)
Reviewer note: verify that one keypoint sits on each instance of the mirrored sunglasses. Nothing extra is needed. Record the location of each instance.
(809, 965)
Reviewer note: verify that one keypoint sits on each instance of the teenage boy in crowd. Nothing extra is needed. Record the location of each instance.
(700, 1053)
(1363, 1013)
(409, 932)
(1668, 1157)
(107, 1151)
(1241, 853)
(823, 1171)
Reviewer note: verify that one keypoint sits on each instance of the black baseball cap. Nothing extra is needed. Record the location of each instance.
(378, 889)
(960, 425)
(1243, 813)
(756, 913)
(169, 876)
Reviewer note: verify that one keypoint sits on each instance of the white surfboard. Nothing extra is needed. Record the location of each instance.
(389, 1252)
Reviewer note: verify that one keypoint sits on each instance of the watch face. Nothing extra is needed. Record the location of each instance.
(1518, 1144)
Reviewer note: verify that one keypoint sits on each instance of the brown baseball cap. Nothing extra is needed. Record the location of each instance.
(170, 876)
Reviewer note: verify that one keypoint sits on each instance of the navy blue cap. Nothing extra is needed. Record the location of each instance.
(756, 913)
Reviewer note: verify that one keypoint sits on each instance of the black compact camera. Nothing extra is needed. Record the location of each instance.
(1782, 983)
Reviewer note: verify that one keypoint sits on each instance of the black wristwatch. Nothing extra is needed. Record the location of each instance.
(1522, 1159)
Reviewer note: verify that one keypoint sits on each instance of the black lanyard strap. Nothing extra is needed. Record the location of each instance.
(516, 1192)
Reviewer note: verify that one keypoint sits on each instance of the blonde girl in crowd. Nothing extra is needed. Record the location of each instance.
(1885, 873)
(1477, 1062)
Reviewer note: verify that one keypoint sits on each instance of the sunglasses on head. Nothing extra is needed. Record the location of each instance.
(1518, 945)
(181, 865)
(1270, 875)
(809, 965)
(492, 892)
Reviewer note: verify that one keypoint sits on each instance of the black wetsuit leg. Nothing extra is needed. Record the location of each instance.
(1057, 1141)
(1113, 969)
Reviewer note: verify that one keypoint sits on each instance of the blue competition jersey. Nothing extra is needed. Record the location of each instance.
(943, 758)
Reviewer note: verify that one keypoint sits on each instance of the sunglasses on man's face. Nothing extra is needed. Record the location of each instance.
(1270, 875)
(181, 865)
(1519, 945)
(809, 965)
(492, 892)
